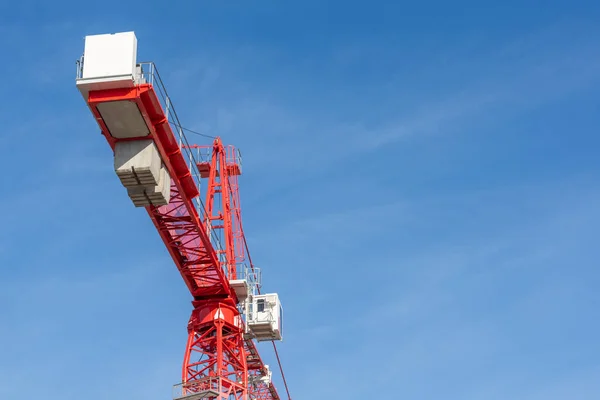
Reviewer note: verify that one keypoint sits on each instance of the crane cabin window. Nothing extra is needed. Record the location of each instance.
(260, 305)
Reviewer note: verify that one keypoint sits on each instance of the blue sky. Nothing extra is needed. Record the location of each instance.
(420, 186)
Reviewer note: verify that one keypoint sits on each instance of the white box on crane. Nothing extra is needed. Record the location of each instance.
(109, 61)
(241, 288)
(265, 317)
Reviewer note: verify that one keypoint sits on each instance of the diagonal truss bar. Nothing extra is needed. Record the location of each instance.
(184, 237)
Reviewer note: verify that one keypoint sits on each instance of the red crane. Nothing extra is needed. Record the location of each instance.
(163, 173)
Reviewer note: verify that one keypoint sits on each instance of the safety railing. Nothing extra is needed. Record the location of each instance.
(233, 157)
(146, 72)
(79, 66)
(203, 153)
(204, 388)
(150, 74)
(252, 276)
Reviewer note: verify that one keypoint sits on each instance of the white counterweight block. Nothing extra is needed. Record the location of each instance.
(159, 195)
(137, 163)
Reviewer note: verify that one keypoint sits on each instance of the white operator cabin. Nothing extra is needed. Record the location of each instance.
(110, 62)
(263, 312)
(265, 317)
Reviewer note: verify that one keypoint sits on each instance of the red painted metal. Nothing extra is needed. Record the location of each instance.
(217, 357)
(225, 215)
(219, 216)
(149, 105)
(215, 351)
(256, 368)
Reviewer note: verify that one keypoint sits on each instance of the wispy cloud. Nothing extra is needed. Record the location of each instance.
(504, 93)
(473, 91)
(458, 302)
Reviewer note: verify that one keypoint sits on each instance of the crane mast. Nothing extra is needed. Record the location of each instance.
(163, 173)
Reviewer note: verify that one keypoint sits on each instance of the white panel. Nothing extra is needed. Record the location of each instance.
(123, 119)
(110, 55)
(241, 288)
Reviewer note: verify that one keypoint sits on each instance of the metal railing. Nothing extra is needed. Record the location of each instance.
(79, 66)
(204, 153)
(233, 156)
(252, 276)
(199, 389)
(146, 72)
(149, 72)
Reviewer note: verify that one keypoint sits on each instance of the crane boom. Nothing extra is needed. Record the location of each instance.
(162, 173)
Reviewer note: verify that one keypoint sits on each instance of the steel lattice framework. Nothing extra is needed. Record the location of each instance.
(220, 362)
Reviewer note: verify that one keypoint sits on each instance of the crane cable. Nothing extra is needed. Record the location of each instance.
(274, 345)
(191, 131)
(281, 369)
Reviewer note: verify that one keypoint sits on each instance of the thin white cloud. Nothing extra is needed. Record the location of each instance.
(275, 128)
(416, 327)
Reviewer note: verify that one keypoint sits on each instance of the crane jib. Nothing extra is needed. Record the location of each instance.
(162, 173)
